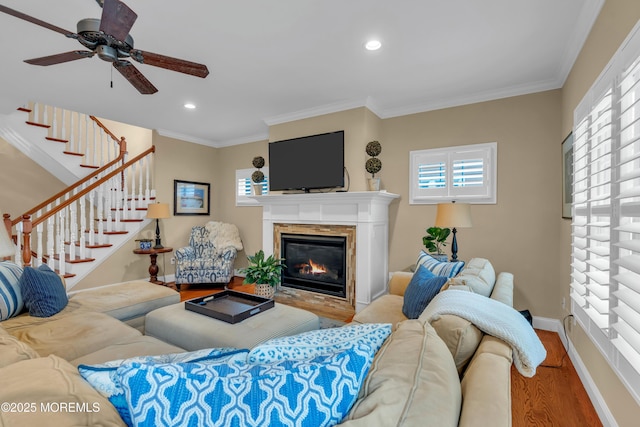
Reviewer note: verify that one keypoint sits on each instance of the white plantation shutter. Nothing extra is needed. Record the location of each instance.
(626, 234)
(464, 173)
(605, 277)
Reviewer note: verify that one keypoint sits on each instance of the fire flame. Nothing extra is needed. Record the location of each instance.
(311, 267)
(317, 268)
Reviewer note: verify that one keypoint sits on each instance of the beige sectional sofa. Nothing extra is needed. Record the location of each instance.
(445, 374)
(464, 380)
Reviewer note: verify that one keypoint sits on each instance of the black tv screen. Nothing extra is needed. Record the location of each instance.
(306, 163)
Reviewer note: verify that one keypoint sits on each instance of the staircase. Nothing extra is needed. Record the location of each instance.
(106, 201)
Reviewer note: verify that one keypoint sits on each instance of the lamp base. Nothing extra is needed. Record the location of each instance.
(454, 246)
(158, 241)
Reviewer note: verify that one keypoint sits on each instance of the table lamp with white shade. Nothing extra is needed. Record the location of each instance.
(158, 211)
(453, 215)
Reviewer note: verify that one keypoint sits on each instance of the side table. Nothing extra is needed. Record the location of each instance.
(153, 268)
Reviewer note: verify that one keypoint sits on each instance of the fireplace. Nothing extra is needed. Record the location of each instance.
(362, 216)
(315, 263)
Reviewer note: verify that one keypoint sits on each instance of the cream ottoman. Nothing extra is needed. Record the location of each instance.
(193, 331)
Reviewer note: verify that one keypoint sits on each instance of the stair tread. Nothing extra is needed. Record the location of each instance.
(50, 138)
(26, 110)
(72, 153)
(74, 261)
(41, 125)
(89, 166)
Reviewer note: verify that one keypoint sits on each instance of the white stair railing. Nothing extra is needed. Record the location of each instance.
(72, 215)
(82, 133)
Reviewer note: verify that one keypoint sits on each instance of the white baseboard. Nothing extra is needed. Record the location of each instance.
(555, 325)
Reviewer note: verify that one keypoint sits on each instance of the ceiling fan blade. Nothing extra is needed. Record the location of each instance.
(37, 21)
(117, 19)
(60, 57)
(174, 64)
(135, 77)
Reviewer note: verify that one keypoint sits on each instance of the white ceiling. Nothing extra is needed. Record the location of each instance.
(274, 61)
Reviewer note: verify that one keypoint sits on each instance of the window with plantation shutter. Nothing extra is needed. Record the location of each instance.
(244, 186)
(605, 271)
(464, 173)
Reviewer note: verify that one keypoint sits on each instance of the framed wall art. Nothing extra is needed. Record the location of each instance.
(567, 176)
(191, 198)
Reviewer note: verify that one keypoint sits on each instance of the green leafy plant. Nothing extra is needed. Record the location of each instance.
(434, 241)
(263, 271)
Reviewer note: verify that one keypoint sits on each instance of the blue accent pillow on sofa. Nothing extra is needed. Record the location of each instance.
(11, 301)
(43, 292)
(424, 285)
(318, 392)
(105, 379)
(439, 268)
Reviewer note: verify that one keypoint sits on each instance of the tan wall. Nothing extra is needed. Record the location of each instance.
(138, 139)
(247, 218)
(24, 182)
(615, 21)
(174, 159)
(515, 234)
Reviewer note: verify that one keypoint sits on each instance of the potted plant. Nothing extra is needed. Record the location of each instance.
(434, 241)
(265, 273)
(257, 176)
(373, 165)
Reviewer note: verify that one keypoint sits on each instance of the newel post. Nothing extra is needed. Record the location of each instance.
(26, 240)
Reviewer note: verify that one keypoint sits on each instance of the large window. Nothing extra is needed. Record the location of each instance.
(605, 279)
(464, 173)
(244, 186)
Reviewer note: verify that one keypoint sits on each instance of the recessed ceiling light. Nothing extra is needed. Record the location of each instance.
(190, 106)
(373, 45)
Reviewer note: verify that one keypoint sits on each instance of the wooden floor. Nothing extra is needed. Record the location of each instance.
(554, 397)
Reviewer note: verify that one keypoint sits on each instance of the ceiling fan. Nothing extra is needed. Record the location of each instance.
(109, 38)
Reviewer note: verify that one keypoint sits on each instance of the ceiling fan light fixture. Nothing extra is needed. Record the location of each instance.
(373, 45)
(190, 106)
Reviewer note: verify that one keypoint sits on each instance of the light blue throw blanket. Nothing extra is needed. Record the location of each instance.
(494, 318)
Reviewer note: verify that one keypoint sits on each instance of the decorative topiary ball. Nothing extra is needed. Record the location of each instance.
(258, 162)
(374, 148)
(257, 176)
(373, 165)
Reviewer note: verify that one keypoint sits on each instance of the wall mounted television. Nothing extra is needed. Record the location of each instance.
(307, 163)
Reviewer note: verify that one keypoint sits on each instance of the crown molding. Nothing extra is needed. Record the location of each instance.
(458, 101)
(187, 138)
(245, 140)
(322, 110)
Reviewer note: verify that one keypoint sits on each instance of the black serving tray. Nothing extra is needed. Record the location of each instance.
(229, 306)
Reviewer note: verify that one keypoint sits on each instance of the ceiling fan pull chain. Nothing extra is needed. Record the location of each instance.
(111, 77)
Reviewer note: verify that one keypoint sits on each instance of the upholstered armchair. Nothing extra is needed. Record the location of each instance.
(210, 256)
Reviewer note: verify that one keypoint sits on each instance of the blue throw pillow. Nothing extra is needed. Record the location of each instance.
(11, 301)
(43, 292)
(318, 392)
(104, 378)
(308, 345)
(420, 291)
(439, 268)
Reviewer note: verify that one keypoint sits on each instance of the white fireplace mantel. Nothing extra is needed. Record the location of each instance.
(368, 211)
